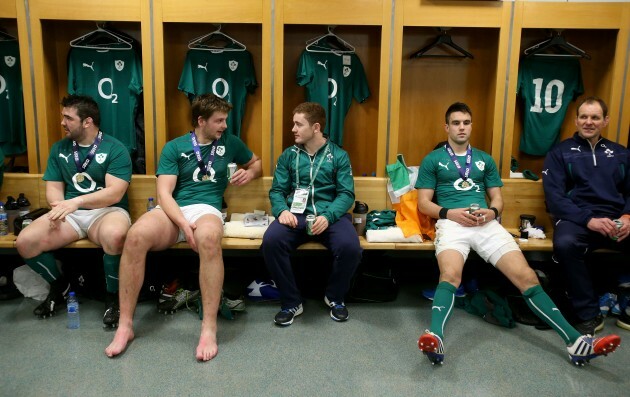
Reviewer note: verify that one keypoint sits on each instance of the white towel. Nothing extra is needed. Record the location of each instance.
(391, 235)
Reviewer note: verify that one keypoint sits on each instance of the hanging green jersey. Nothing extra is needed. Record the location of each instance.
(438, 172)
(227, 74)
(178, 158)
(332, 81)
(114, 79)
(111, 158)
(12, 128)
(547, 85)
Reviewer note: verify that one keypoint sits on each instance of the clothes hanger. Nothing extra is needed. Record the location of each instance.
(329, 43)
(445, 39)
(559, 43)
(102, 39)
(4, 36)
(202, 42)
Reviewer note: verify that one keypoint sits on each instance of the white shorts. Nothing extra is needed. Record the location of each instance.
(82, 220)
(193, 212)
(486, 240)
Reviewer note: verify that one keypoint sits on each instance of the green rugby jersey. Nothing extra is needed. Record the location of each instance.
(547, 86)
(114, 79)
(12, 127)
(438, 172)
(229, 75)
(178, 158)
(332, 81)
(111, 158)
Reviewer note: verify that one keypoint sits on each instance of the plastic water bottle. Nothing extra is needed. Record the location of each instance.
(4, 221)
(150, 204)
(73, 311)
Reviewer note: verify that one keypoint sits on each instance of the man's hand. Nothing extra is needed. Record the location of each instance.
(320, 225)
(242, 177)
(287, 218)
(60, 209)
(464, 218)
(624, 231)
(189, 232)
(603, 226)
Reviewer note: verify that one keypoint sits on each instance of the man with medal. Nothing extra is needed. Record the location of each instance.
(459, 175)
(312, 177)
(191, 179)
(87, 177)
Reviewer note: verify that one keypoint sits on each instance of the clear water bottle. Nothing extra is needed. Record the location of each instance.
(12, 210)
(150, 204)
(4, 221)
(73, 311)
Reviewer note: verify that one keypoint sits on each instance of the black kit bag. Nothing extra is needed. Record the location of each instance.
(17, 223)
(373, 284)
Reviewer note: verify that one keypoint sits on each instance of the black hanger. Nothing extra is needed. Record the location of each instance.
(329, 42)
(443, 38)
(102, 39)
(556, 42)
(205, 42)
(4, 36)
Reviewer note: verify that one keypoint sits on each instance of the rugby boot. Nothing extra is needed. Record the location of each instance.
(55, 300)
(112, 311)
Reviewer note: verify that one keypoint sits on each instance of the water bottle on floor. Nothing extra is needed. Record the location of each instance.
(73, 311)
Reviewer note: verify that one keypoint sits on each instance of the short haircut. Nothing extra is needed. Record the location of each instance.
(313, 113)
(85, 107)
(591, 100)
(205, 105)
(457, 107)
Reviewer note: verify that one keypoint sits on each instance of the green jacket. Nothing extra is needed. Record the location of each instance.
(332, 192)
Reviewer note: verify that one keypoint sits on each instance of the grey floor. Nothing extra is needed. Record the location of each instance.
(373, 354)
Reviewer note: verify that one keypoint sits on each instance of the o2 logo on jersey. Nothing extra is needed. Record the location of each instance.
(107, 83)
(559, 87)
(85, 176)
(222, 84)
(462, 185)
(211, 178)
(3, 86)
(333, 91)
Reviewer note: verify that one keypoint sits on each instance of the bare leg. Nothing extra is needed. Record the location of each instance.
(208, 236)
(152, 232)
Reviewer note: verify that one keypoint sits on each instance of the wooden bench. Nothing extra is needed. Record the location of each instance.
(520, 197)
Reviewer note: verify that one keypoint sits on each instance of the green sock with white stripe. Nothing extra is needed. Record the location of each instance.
(45, 265)
(111, 264)
(442, 307)
(542, 306)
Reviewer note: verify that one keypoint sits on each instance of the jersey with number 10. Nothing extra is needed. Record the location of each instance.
(547, 85)
(332, 80)
(226, 74)
(12, 131)
(114, 79)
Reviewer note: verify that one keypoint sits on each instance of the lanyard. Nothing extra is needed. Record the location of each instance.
(75, 152)
(465, 172)
(202, 165)
(297, 166)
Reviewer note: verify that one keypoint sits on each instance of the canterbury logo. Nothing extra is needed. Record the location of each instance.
(187, 156)
(443, 165)
(204, 67)
(65, 157)
(438, 307)
(323, 64)
(90, 65)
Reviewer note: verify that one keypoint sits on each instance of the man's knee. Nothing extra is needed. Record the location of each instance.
(27, 246)
(114, 240)
(209, 240)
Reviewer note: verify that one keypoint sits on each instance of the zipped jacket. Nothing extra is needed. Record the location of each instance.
(327, 176)
(584, 181)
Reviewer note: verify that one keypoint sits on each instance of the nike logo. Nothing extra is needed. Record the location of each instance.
(90, 65)
(438, 307)
(186, 156)
(65, 157)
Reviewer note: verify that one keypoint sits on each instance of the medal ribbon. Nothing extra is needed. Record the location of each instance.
(202, 165)
(75, 153)
(464, 173)
(297, 167)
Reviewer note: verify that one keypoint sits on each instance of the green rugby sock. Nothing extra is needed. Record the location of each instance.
(542, 306)
(442, 307)
(45, 265)
(111, 264)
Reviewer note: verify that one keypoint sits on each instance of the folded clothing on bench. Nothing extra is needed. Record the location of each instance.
(391, 235)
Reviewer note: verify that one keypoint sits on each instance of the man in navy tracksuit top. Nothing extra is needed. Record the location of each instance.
(587, 186)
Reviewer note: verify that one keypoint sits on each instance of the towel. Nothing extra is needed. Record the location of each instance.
(390, 235)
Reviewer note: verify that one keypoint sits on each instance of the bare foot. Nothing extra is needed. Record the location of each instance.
(124, 335)
(207, 348)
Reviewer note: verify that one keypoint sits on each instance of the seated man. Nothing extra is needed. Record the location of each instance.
(587, 187)
(192, 177)
(313, 177)
(87, 177)
(460, 176)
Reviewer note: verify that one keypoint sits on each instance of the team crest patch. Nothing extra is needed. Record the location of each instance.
(120, 65)
(9, 60)
(100, 157)
(220, 150)
(329, 158)
(480, 164)
(233, 65)
(346, 71)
